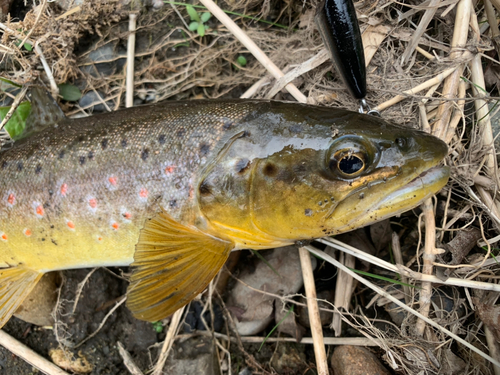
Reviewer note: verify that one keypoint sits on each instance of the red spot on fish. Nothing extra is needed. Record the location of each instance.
(127, 215)
(39, 210)
(143, 193)
(70, 224)
(11, 199)
(112, 180)
(99, 238)
(27, 232)
(64, 189)
(170, 169)
(115, 226)
(3, 237)
(92, 203)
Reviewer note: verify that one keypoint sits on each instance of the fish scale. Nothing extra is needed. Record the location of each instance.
(172, 188)
(98, 160)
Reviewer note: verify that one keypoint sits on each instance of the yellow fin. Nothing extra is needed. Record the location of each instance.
(15, 285)
(173, 263)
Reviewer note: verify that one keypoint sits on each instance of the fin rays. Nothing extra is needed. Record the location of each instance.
(173, 263)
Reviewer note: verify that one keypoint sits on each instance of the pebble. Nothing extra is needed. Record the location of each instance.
(193, 356)
(92, 101)
(253, 310)
(355, 360)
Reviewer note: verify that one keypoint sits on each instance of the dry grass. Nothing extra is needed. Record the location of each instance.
(452, 61)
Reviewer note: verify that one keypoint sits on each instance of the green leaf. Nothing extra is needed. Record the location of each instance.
(157, 326)
(201, 29)
(28, 47)
(205, 17)
(241, 60)
(6, 84)
(69, 92)
(17, 122)
(193, 14)
(193, 26)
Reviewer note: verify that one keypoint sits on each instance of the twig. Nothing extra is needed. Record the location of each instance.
(312, 307)
(417, 34)
(129, 96)
(128, 361)
(437, 79)
(255, 87)
(398, 257)
(118, 304)
(169, 340)
(460, 32)
(14, 106)
(80, 286)
(429, 256)
(382, 292)
(343, 292)
(28, 355)
(407, 272)
(252, 47)
(42, 9)
(48, 71)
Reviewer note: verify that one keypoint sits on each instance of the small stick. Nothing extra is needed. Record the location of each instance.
(28, 355)
(169, 340)
(44, 5)
(460, 33)
(252, 47)
(255, 87)
(430, 252)
(14, 106)
(398, 257)
(129, 96)
(312, 307)
(437, 79)
(343, 292)
(128, 361)
(382, 292)
(48, 71)
(406, 271)
(459, 112)
(417, 34)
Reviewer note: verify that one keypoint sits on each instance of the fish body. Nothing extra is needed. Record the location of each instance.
(173, 187)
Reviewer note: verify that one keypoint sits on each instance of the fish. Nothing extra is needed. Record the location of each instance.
(338, 25)
(172, 188)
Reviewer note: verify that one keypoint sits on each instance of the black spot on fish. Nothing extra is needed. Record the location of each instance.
(242, 165)
(43, 238)
(61, 154)
(20, 166)
(172, 203)
(90, 155)
(180, 133)
(145, 154)
(270, 170)
(205, 189)
(80, 139)
(82, 160)
(4, 164)
(52, 227)
(161, 139)
(54, 241)
(124, 143)
(228, 125)
(46, 205)
(204, 149)
(46, 118)
(308, 212)
(104, 144)
(38, 169)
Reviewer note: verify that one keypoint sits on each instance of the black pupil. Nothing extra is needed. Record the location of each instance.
(350, 164)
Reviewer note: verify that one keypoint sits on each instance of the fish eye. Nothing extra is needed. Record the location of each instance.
(348, 163)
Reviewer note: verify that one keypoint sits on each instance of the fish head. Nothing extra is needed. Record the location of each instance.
(324, 181)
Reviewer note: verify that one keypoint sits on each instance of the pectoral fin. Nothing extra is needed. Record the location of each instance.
(173, 263)
(15, 285)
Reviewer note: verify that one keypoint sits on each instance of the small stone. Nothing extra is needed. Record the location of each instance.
(253, 310)
(68, 361)
(37, 308)
(355, 360)
(193, 356)
(93, 99)
(289, 358)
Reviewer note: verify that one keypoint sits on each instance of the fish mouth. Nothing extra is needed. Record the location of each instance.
(425, 185)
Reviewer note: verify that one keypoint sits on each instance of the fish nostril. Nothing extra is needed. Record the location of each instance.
(401, 142)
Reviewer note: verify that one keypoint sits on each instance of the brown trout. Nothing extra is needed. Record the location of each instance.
(173, 187)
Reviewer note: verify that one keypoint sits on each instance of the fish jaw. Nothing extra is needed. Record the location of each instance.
(401, 200)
